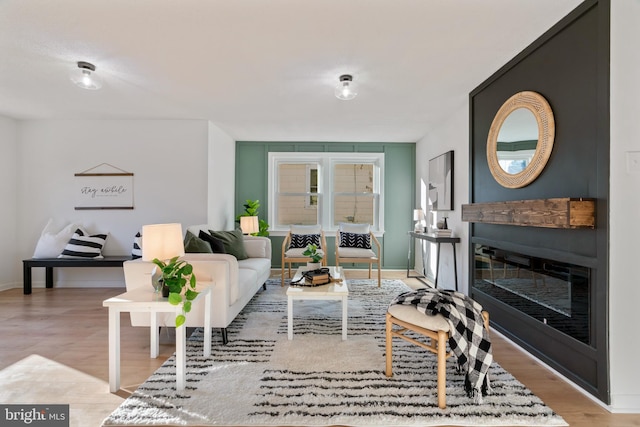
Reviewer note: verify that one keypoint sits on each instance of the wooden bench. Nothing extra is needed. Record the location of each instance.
(50, 263)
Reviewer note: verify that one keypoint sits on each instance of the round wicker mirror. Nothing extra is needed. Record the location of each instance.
(516, 152)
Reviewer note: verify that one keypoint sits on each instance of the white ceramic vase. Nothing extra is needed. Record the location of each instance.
(313, 265)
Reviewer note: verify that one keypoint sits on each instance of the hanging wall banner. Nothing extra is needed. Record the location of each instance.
(104, 190)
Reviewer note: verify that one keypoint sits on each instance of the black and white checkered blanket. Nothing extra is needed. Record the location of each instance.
(468, 340)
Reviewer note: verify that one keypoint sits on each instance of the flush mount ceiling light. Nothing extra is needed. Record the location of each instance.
(346, 89)
(85, 76)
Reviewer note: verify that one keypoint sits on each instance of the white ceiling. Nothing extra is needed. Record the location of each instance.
(263, 69)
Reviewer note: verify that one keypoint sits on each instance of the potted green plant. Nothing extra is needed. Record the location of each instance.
(316, 257)
(251, 209)
(180, 284)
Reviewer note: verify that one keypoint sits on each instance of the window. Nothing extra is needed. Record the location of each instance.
(311, 180)
(326, 189)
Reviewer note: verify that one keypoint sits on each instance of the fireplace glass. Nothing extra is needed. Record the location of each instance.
(555, 293)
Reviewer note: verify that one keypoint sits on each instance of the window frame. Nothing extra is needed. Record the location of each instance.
(326, 162)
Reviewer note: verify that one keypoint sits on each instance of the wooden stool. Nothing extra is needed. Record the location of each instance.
(436, 328)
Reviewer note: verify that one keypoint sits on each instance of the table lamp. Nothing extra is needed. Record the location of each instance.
(162, 241)
(417, 217)
(249, 224)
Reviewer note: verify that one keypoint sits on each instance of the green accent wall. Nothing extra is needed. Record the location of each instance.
(399, 189)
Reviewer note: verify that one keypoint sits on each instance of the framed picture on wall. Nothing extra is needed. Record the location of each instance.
(104, 187)
(441, 182)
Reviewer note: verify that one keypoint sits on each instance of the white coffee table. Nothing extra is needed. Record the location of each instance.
(147, 301)
(331, 291)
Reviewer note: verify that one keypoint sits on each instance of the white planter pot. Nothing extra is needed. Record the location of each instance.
(313, 265)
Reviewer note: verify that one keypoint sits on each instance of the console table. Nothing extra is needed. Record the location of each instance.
(437, 240)
(50, 263)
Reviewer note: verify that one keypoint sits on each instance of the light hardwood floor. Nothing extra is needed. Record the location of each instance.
(69, 326)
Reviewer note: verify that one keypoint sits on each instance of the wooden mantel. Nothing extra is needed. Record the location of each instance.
(550, 213)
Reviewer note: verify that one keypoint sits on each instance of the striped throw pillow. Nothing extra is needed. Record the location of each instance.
(82, 245)
(302, 240)
(136, 252)
(355, 240)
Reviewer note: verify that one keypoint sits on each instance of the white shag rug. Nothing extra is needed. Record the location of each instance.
(260, 378)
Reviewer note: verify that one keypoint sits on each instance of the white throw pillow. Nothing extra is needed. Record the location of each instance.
(354, 228)
(306, 229)
(52, 240)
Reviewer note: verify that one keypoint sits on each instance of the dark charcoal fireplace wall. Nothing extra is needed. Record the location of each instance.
(515, 268)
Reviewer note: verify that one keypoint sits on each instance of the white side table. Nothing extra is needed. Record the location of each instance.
(147, 301)
(332, 291)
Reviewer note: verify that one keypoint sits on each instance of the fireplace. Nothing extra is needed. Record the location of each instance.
(554, 293)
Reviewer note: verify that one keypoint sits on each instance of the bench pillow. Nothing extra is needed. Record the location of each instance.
(82, 245)
(52, 240)
(136, 251)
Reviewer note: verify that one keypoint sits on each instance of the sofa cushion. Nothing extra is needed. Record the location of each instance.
(259, 265)
(193, 244)
(216, 245)
(255, 248)
(233, 243)
(82, 245)
(246, 282)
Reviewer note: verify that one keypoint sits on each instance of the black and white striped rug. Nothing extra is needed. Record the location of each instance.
(260, 378)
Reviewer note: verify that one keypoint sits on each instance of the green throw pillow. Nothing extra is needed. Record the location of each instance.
(233, 243)
(195, 245)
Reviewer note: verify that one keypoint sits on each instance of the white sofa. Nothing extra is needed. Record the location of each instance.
(234, 282)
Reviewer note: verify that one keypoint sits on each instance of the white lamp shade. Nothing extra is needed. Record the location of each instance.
(249, 224)
(162, 241)
(417, 215)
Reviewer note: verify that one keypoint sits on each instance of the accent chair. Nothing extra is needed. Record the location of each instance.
(355, 243)
(296, 241)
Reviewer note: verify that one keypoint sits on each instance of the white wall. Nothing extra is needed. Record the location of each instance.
(452, 134)
(221, 180)
(624, 209)
(8, 194)
(167, 157)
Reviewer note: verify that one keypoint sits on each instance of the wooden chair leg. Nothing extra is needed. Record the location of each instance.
(442, 369)
(282, 274)
(370, 270)
(389, 371)
(379, 275)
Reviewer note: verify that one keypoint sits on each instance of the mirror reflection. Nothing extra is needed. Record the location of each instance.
(517, 141)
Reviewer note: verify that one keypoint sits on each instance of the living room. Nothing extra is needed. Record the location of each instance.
(185, 170)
